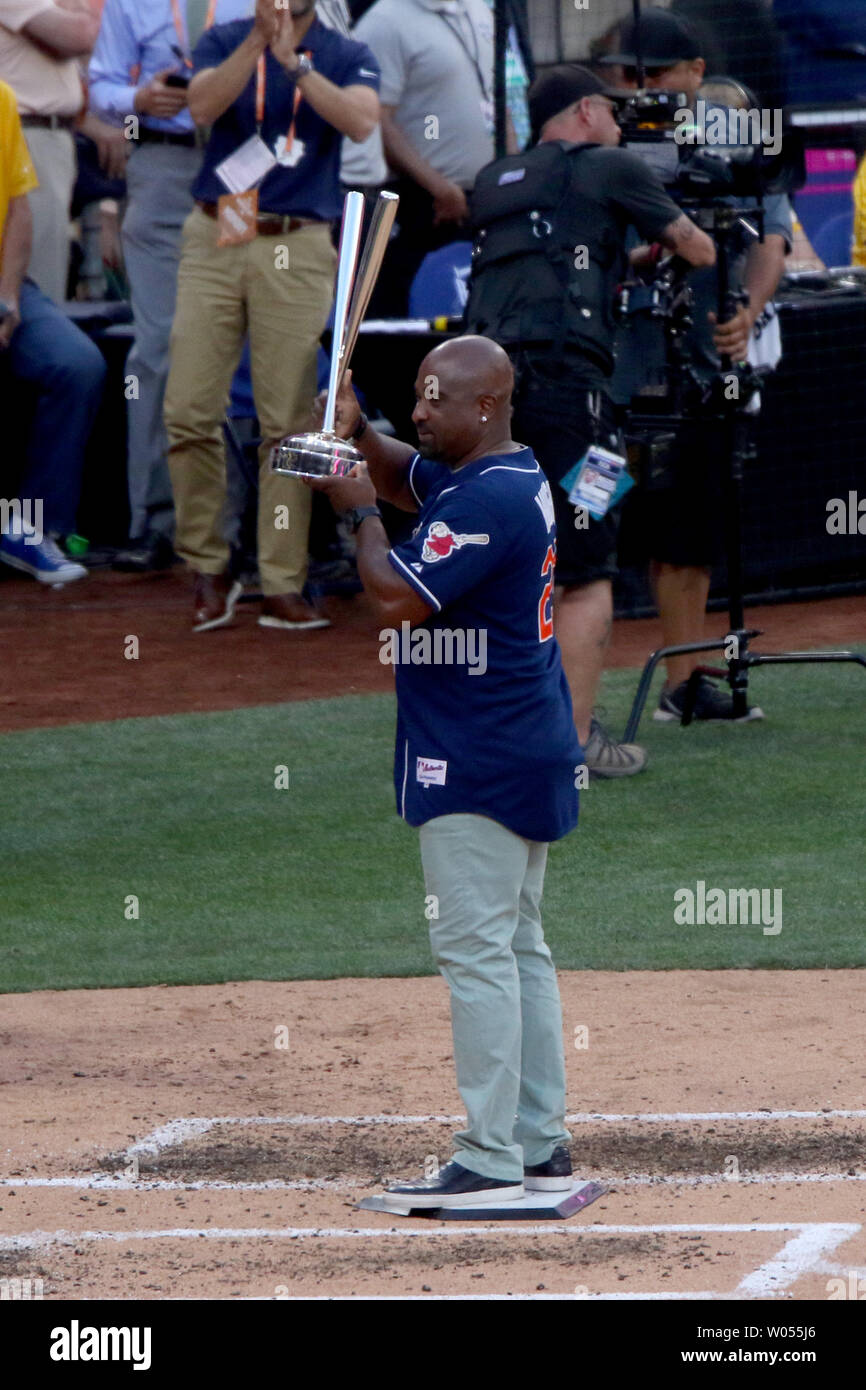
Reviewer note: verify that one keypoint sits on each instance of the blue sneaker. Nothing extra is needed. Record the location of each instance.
(45, 561)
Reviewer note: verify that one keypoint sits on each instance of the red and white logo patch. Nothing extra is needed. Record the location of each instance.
(441, 541)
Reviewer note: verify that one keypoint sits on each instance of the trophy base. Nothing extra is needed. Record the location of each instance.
(314, 456)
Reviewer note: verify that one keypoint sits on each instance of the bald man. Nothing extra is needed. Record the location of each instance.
(487, 759)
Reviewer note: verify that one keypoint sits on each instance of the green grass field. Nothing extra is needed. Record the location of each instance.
(238, 880)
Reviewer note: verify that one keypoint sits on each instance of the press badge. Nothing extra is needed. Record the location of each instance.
(247, 166)
(598, 481)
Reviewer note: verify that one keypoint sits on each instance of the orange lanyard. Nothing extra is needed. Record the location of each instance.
(180, 28)
(261, 82)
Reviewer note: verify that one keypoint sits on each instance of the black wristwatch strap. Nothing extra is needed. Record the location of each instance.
(361, 428)
(358, 514)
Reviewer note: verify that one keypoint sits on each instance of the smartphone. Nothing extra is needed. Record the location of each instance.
(177, 79)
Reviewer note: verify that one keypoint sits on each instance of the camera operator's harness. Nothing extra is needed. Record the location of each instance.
(541, 259)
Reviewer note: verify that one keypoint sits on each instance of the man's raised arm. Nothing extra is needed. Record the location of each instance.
(212, 91)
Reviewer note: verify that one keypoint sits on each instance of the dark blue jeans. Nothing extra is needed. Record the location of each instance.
(67, 372)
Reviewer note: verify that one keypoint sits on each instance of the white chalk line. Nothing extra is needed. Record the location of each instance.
(183, 1128)
(704, 1295)
(99, 1182)
(797, 1257)
(802, 1254)
(835, 1232)
(716, 1179)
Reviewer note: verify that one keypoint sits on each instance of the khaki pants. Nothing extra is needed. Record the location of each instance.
(223, 293)
(53, 155)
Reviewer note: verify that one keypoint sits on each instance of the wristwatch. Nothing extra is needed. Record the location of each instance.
(361, 428)
(359, 514)
(305, 66)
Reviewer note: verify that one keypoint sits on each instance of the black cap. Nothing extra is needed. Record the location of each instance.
(560, 87)
(665, 39)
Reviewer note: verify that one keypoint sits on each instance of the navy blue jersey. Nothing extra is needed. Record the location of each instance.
(312, 187)
(484, 722)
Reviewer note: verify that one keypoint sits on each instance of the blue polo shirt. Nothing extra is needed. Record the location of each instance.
(484, 722)
(312, 187)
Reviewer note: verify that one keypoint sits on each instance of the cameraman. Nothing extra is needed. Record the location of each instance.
(561, 344)
(684, 516)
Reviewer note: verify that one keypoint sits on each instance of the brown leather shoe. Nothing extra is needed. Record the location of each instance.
(215, 599)
(290, 611)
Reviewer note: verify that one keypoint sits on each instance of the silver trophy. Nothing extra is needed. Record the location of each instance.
(323, 453)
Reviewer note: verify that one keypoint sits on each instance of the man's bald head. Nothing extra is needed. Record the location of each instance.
(475, 363)
(463, 393)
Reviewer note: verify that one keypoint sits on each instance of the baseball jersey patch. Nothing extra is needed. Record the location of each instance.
(441, 541)
(430, 772)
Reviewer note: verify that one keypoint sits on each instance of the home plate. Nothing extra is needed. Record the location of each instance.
(532, 1206)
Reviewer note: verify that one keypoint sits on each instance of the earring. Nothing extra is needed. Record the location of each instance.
(484, 419)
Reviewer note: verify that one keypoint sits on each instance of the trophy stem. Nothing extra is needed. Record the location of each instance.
(375, 246)
(323, 454)
(350, 240)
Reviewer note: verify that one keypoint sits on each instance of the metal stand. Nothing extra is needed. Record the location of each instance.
(731, 417)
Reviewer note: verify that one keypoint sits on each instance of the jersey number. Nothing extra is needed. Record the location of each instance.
(545, 603)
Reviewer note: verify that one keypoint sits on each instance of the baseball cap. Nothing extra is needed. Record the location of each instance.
(560, 87)
(665, 39)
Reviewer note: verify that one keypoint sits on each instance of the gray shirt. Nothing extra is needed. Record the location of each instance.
(436, 58)
(361, 163)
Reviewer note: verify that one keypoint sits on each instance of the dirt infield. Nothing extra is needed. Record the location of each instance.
(159, 1143)
(63, 651)
(163, 1145)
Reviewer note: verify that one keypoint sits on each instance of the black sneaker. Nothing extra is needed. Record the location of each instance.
(553, 1176)
(453, 1186)
(153, 552)
(604, 757)
(711, 703)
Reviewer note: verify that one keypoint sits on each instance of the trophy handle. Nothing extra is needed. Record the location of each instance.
(350, 238)
(368, 272)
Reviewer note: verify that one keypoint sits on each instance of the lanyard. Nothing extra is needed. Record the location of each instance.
(474, 54)
(261, 84)
(180, 28)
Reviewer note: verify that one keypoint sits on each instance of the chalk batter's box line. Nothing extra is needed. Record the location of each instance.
(835, 1230)
(802, 1254)
(189, 1127)
(111, 1182)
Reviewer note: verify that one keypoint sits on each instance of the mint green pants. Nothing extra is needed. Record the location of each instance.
(506, 1017)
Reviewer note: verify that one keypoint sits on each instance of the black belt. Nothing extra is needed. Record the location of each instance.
(268, 223)
(166, 137)
(50, 122)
